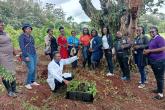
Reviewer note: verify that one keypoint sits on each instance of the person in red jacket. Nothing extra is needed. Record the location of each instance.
(63, 45)
(85, 42)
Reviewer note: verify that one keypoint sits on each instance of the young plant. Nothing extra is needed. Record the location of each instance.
(6, 74)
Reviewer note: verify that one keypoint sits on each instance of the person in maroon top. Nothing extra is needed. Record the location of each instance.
(156, 54)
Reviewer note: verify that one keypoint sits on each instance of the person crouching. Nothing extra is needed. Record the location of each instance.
(56, 77)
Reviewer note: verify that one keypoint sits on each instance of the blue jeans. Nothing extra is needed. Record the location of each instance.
(32, 66)
(86, 56)
(142, 74)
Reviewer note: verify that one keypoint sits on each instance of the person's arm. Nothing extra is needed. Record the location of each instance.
(69, 60)
(145, 43)
(22, 46)
(154, 50)
(127, 45)
(47, 40)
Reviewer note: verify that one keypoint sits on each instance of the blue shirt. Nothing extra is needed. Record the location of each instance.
(26, 44)
(73, 40)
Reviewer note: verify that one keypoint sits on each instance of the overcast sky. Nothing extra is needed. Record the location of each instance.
(73, 8)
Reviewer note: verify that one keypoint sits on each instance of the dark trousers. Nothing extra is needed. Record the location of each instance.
(59, 84)
(86, 56)
(108, 56)
(123, 62)
(158, 68)
(10, 86)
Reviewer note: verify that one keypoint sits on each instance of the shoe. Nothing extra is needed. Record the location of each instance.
(159, 97)
(109, 74)
(125, 78)
(141, 86)
(28, 86)
(12, 94)
(145, 82)
(35, 84)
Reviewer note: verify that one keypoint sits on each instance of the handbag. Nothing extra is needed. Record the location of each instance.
(47, 50)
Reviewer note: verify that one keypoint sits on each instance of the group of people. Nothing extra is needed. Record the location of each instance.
(93, 46)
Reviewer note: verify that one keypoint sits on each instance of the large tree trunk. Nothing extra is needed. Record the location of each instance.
(126, 21)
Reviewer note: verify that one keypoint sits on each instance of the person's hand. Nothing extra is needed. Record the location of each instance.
(27, 59)
(136, 47)
(146, 52)
(90, 49)
(122, 46)
(66, 82)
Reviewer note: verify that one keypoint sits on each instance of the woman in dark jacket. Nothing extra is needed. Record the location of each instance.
(140, 43)
(107, 44)
(95, 49)
(51, 44)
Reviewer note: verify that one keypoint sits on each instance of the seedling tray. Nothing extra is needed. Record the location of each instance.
(82, 96)
(81, 90)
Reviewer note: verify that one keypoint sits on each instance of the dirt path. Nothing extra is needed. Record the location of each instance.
(112, 93)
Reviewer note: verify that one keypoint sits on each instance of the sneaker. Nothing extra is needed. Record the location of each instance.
(110, 74)
(159, 96)
(35, 84)
(28, 86)
(145, 82)
(12, 94)
(141, 86)
(125, 78)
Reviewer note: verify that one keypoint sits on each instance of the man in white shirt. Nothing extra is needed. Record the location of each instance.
(56, 77)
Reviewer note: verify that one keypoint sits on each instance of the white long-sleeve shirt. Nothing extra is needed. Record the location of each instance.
(55, 71)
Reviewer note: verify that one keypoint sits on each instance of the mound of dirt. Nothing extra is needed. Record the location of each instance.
(112, 92)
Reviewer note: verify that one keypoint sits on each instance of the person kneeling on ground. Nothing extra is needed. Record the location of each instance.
(56, 77)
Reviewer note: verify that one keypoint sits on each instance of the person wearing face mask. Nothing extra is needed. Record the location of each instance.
(156, 55)
(29, 55)
(56, 77)
(140, 43)
(50, 43)
(122, 46)
(6, 60)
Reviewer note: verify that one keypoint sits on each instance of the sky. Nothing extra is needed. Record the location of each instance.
(73, 8)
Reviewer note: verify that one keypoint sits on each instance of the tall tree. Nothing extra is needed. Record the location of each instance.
(118, 14)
